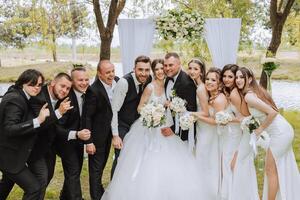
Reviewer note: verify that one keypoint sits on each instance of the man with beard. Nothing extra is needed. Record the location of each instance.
(72, 135)
(126, 98)
(41, 161)
(99, 117)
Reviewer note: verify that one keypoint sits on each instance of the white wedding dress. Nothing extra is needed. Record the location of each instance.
(154, 167)
(208, 158)
(281, 138)
(244, 181)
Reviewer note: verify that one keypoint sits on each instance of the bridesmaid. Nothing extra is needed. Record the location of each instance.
(282, 179)
(239, 165)
(207, 147)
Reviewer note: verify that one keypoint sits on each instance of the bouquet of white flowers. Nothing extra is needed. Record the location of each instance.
(223, 118)
(249, 124)
(177, 105)
(153, 115)
(186, 121)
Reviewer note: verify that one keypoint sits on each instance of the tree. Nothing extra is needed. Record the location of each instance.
(279, 11)
(106, 32)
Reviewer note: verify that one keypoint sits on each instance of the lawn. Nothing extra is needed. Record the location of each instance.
(54, 189)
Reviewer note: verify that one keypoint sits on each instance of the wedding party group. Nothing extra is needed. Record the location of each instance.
(178, 133)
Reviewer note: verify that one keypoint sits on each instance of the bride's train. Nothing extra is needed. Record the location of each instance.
(154, 167)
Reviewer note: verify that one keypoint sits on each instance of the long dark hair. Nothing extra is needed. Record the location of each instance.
(233, 68)
(202, 68)
(29, 76)
(256, 88)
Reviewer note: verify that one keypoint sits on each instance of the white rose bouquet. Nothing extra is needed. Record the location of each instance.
(153, 115)
(177, 105)
(223, 118)
(186, 121)
(249, 124)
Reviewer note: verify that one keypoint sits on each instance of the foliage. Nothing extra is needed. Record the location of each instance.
(41, 21)
(180, 24)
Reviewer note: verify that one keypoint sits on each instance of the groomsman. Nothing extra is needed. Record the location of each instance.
(183, 86)
(126, 98)
(43, 156)
(41, 161)
(99, 117)
(71, 134)
(18, 125)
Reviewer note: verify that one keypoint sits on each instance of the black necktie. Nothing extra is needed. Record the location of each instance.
(140, 89)
(170, 79)
(83, 98)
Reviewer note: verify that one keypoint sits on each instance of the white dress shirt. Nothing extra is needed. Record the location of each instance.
(35, 121)
(171, 85)
(109, 89)
(119, 95)
(72, 133)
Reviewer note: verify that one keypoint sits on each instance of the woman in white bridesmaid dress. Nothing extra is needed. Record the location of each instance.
(238, 159)
(282, 179)
(152, 166)
(208, 148)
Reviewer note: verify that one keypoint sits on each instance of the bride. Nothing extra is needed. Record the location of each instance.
(152, 166)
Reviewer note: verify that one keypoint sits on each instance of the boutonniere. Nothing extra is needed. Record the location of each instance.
(173, 94)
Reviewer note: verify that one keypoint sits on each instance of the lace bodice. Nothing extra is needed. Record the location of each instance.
(160, 99)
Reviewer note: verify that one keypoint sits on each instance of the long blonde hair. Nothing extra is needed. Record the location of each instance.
(254, 87)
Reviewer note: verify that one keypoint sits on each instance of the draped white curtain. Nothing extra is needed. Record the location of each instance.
(222, 36)
(136, 38)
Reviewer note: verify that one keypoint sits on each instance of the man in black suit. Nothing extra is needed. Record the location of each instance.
(183, 86)
(126, 98)
(18, 124)
(42, 158)
(71, 134)
(99, 119)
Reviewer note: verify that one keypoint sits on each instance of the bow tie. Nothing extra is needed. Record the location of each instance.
(170, 79)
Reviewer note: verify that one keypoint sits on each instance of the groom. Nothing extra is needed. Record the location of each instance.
(177, 80)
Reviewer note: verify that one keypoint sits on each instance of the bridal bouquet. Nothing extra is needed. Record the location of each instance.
(223, 118)
(186, 121)
(153, 115)
(177, 105)
(249, 124)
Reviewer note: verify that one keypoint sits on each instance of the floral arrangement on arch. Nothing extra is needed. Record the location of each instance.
(180, 24)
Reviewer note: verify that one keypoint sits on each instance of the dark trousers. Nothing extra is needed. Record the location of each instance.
(72, 160)
(123, 130)
(97, 164)
(43, 169)
(25, 179)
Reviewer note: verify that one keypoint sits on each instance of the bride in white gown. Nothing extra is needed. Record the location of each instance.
(152, 166)
(282, 179)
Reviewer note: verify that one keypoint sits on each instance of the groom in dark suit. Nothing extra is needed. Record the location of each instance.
(183, 86)
(99, 115)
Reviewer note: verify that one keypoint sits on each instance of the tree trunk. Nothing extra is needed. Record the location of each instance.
(54, 55)
(105, 47)
(272, 49)
(278, 16)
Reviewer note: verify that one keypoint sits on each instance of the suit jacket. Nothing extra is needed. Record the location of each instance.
(47, 132)
(17, 134)
(70, 121)
(185, 88)
(99, 114)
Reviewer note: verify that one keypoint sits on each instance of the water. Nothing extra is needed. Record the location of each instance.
(285, 94)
